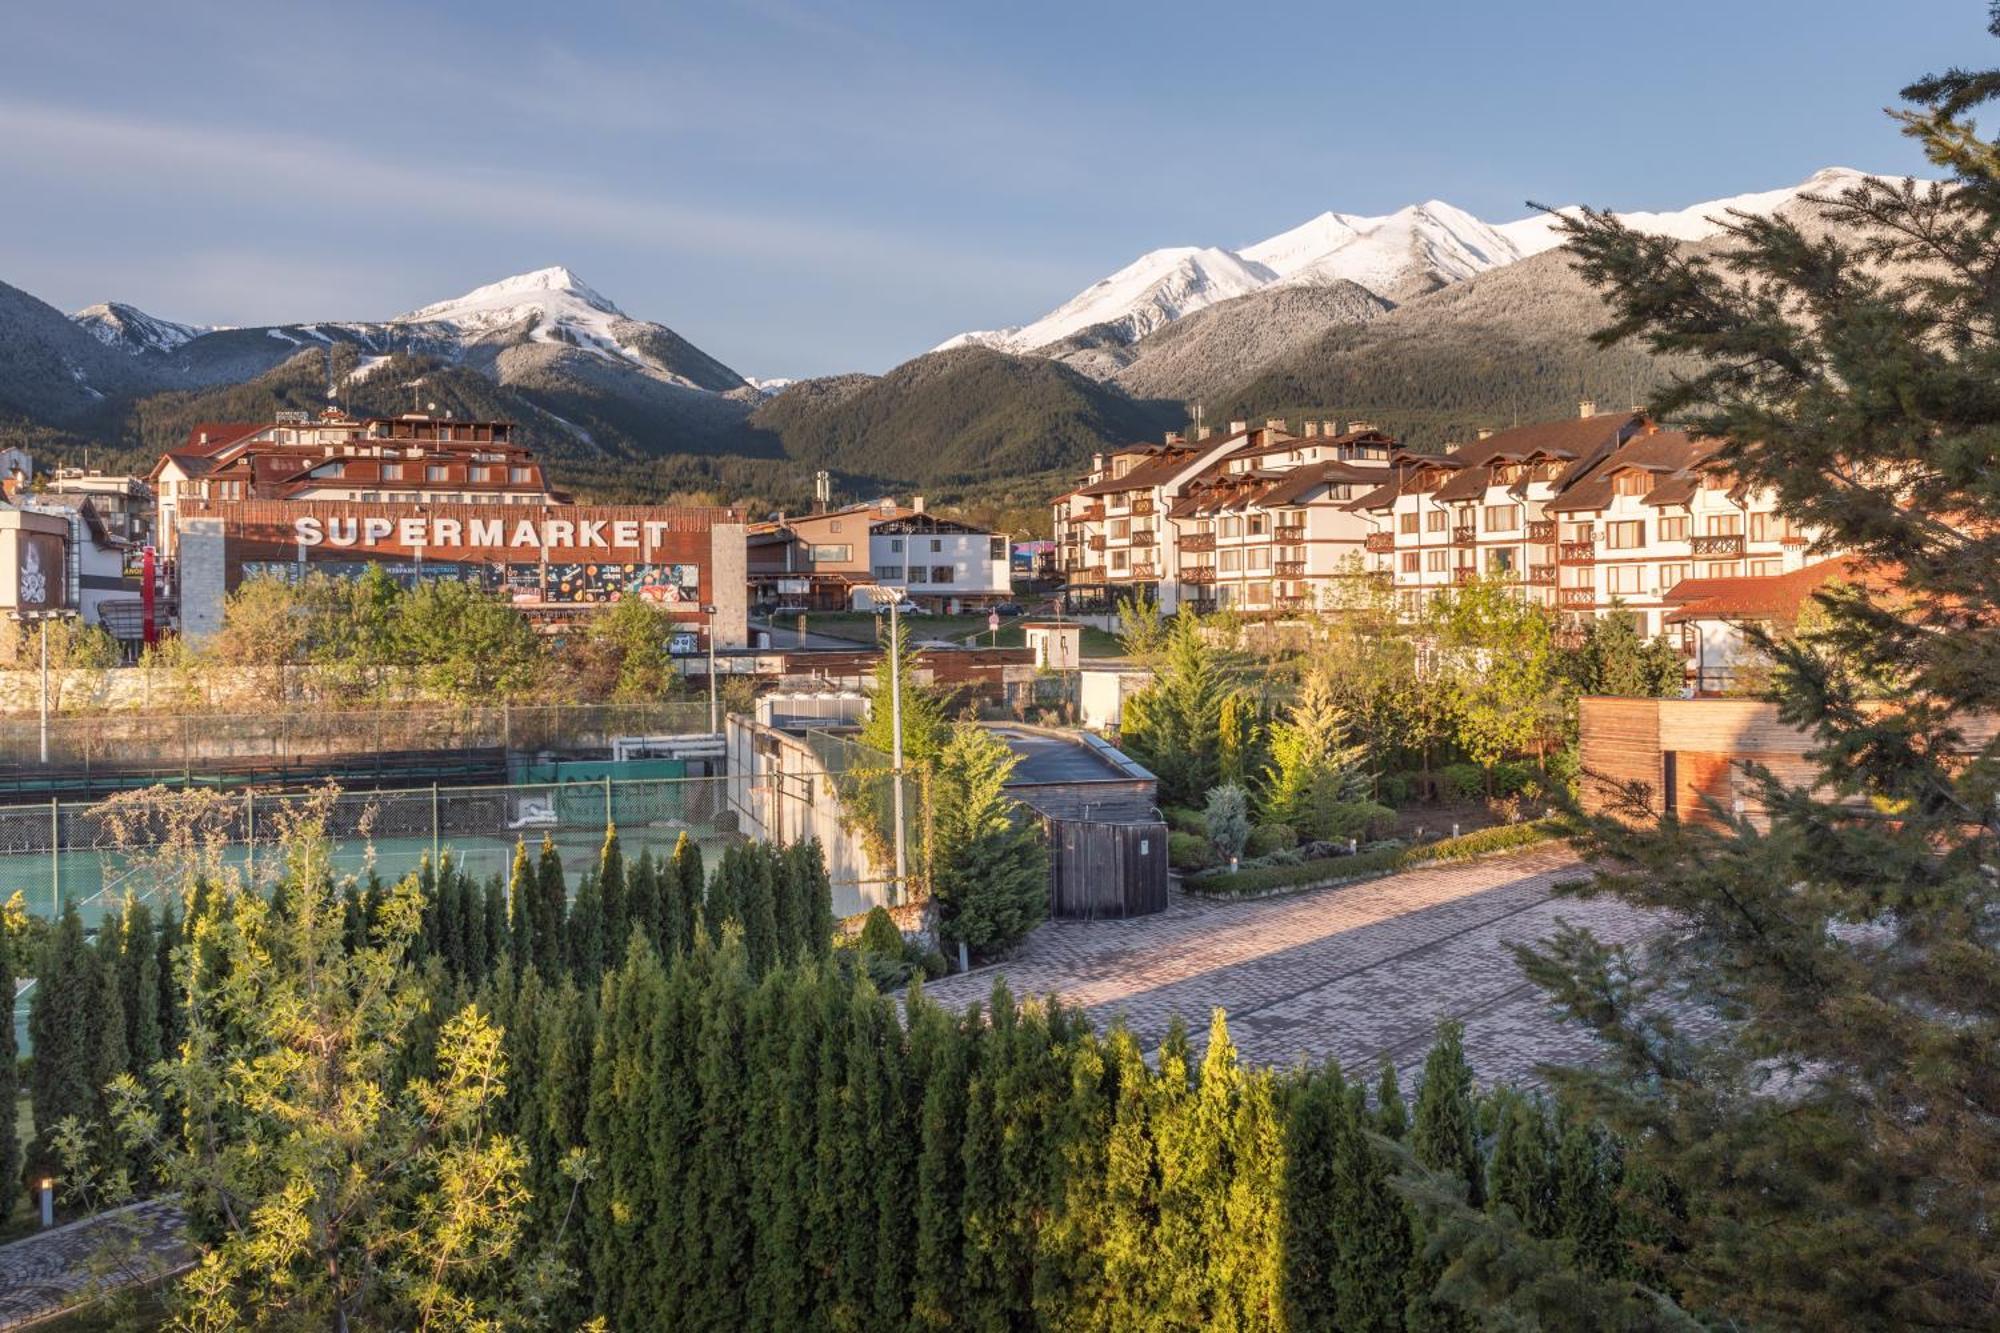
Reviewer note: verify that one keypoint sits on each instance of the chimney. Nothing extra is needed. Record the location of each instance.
(1274, 424)
(1485, 432)
(1312, 430)
(1586, 408)
(1173, 437)
(1356, 427)
(1096, 464)
(917, 503)
(1238, 427)
(1204, 432)
(1329, 428)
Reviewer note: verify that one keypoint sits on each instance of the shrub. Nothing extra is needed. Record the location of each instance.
(1268, 838)
(880, 934)
(1395, 788)
(1330, 818)
(1512, 779)
(1563, 769)
(1379, 859)
(1463, 782)
(1183, 820)
(1228, 820)
(1189, 851)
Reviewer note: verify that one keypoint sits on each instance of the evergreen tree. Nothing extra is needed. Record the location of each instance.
(171, 1007)
(612, 898)
(493, 925)
(1615, 660)
(584, 933)
(757, 890)
(1846, 363)
(813, 909)
(60, 1027)
(717, 1173)
(691, 885)
(938, 1052)
(1313, 1195)
(1239, 730)
(524, 908)
(551, 911)
(1392, 1117)
(1588, 1174)
(642, 894)
(925, 721)
(1371, 1222)
(1310, 756)
(1174, 726)
(139, 985)
(1442, 1140)
(1520, 1171)
(1132, 1277)
(11, 1156)
(990, 880)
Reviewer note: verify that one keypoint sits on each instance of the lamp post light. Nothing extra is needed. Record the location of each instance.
(42, 619)
(895, 597)
(714, 714)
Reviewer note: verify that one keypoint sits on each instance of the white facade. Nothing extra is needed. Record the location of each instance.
(940, 565)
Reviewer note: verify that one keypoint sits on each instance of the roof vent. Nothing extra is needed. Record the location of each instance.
(1586, 408)
(1486, 432)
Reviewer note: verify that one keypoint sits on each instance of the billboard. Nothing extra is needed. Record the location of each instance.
(39, 572)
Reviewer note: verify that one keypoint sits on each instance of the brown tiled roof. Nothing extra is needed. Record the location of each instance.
(1762, 597)
(1380, 498)
(1152, 472)
(1670, 455)
(1467, 485)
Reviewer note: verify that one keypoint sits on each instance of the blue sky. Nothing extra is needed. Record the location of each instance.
(808, 188)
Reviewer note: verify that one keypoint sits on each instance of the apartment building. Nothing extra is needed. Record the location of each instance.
(1239, 518)
(817, 560)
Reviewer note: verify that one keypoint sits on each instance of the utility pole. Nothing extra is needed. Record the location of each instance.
(896, 741)
(714, 714)
(45, 691)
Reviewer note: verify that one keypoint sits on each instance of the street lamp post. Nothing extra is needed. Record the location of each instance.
(41, 620)
(714, 715)
(895, 597)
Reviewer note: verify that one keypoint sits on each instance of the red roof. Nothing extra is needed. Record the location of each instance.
(1766, 596)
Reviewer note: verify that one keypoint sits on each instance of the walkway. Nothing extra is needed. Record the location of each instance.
(53, 1270)
(1348, 972)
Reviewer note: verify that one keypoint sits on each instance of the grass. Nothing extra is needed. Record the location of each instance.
(970, 630)
(1259, 880)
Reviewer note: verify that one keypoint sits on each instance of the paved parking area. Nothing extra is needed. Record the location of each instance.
(54, 1270)
(1348, 972)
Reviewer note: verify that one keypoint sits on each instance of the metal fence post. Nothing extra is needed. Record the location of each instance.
(250, 832)
(607, 800)
(434, 825)
(55, 854)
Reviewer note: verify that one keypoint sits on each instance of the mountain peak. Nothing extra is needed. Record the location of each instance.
(544, 291)
(131, 329)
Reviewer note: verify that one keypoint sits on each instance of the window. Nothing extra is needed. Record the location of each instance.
(392, 472)
(1412, 562)
(1674, 529)
(1503, 518)
(437, 472)
(1258, 558)
(1436, 560)
(918, 574)
(996, 548)
(1624, 536)
(1500, 560)
(520, 476)
(478, 474)
(1672, 574)
(1761, 569)
(1767, 527)
(1631, 483)
(1257, 594)
(1232, 527)
(834, 526)
(832, 554)
(888, 572)
(1406, 522)
(1229, 562)
(1118, 561)
(895, 546)
(941, 574)
(334, 470)
(1254, 525)
(1723, 569)
(936, 545)
(1121, 528)
(1623, 579)
(1724, 525)
(1435, 520)
(1579, 532)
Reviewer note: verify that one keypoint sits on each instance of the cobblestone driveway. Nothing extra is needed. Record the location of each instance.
(1348, 972)
(52, 1271)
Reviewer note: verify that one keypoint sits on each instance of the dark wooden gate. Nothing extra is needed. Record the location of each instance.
(1100, 871)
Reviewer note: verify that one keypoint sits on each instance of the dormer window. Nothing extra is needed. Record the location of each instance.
(1631, 483)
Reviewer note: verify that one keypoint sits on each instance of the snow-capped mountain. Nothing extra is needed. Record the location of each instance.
(1397, 256)
(130, 329)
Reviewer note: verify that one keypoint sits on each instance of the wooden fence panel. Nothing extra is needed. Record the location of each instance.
(1103, 871)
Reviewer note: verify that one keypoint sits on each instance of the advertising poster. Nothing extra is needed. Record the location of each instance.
(40, 586)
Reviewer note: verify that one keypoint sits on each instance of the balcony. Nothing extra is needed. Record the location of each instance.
(1097, 543)
(1094, 514)
(1464, 574)
(1576, 553)
(1091, 574)
(1144, 536)
(1464, 535)
(1542, 575)
(1718, 545)
(1198, 574)
(1583, 598)
(1543, 532)
(1791, 539)
(1289, 532)
(1294, 602)
(1290, 569)
(1145, 570)
(1379, 541)
(1198, 541)
(1142, 507)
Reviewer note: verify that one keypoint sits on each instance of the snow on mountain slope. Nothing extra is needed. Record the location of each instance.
(558, 307)
(1155, 289)
(1397, 256)
(130, 329)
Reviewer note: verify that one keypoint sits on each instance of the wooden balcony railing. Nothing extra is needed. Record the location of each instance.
(1791, 539)
(1542, 575)
(1290, 532)
(1718, 545)
(1379, 541)
(1542, 532)
(1198, 574)
(1464, 535)
(1576, 553)
(1142, 506)
(1144, 536)
(1097, 542)
(1198, 541)
(1094, 514)
(1290, 569)
(1576, 597)
(1145, 570)
(1464, 574)
(1088, 574)
(1296, 601)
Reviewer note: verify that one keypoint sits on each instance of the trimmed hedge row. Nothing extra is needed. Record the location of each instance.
(1336, 869)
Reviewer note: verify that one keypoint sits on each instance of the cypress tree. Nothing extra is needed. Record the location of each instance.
(1588, 1174)
(1520, 1171)
(1371, 1223)
(938, 1066)
(551, 910)
(1312, 1198)
(1392, 1117)
(1179, 1247)
(722, 1263)
(890, 1144)
(1131, 1187)
(493, 925)
(988, 1191)
(642, 901)
(139, 986)
(10, 1077)
(612, 897)
(1070, 1286)
(812, 907)
(108, 1054)
(172, 1016)
(689, 900)
(563, 1103)
(623, 1203)
(471, 902)
(354, 918)
(788, 933)
(676, 1291)
(524, 908)
(772, 1147)
(755, 890)
(59, 1029)
(1441, 1140)
(585, 932)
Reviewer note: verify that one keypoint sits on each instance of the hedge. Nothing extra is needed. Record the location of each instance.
(1364, 865)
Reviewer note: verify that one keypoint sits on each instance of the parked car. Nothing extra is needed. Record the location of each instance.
(1010, 609)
